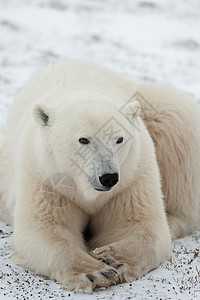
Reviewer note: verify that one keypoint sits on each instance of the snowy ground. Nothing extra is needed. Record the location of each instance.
(148, 40)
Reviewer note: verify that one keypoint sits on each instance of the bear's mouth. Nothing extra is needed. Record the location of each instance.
(102, 190)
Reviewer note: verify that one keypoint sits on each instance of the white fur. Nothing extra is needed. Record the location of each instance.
(126, 228)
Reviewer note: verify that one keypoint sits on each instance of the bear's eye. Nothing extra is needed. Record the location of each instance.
(84, 141)
(120, 140)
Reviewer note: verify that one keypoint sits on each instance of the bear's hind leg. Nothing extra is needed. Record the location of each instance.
(174, 125)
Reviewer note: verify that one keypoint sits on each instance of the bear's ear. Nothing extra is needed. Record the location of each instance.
(133, 109)
(42, 115)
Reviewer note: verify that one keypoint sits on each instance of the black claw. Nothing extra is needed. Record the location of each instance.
(103, 251)
(109, 261)
(112, 272)
(89, 277)
(104, 274)
(119, 266)
(112, 263)
(108, 273)
(96, 288)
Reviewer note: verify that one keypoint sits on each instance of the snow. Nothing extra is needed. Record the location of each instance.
(147, 40)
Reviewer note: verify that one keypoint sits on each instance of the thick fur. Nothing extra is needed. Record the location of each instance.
(175, 130)
(99, 238)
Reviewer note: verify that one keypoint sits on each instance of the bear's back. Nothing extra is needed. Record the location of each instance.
(72, 74)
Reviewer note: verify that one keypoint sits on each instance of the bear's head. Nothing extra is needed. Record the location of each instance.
(89, 136)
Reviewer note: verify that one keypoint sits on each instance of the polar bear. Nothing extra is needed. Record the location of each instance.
(98, 173)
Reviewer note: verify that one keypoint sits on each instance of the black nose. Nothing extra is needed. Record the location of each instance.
(109, 180)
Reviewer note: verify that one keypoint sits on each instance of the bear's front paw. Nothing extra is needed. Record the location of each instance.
(107, 255)
(91, 280)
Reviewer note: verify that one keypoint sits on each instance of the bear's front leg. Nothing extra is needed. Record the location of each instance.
(137, 251)
(48, 240)
(131, 234)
